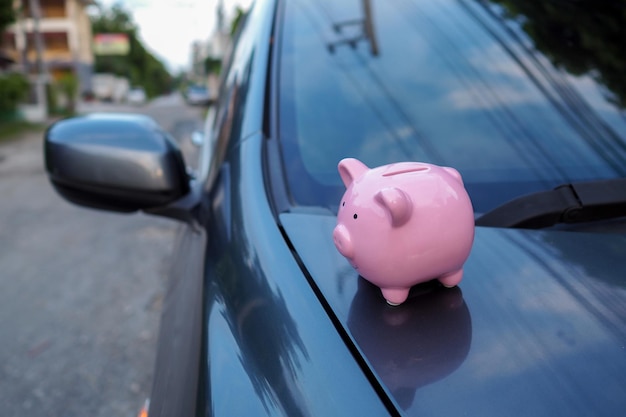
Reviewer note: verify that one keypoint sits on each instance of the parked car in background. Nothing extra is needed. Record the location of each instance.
(136, 96)
(110, 87)
(263, 316)
(198, 95)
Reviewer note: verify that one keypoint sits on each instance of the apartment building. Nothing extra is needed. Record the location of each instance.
(65, 34)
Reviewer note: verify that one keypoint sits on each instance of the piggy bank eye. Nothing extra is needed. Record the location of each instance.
(355, 216)
(343, 204)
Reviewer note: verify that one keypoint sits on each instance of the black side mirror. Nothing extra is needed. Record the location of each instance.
(115, 162)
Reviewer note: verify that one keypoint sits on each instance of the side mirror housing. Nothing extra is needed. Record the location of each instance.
(116, 162)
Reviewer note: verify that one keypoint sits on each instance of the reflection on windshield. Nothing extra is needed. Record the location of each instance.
(447, 82)
(582, 37)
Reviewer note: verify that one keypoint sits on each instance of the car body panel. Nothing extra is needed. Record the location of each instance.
(268, 338)
(239, 226)
(236, 116)
(536, 327)
(264, 317)
(177, 369)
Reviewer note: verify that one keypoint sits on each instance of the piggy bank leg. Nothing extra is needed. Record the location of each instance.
(452, 279)
(395, 296)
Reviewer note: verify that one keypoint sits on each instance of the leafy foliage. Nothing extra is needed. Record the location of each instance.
(212, 65)
(139, 66)
(14, 89)
(7, 14)
(68, 85)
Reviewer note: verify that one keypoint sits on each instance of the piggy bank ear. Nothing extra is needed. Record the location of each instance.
(350, 169)
(454, 173)
(397, 203)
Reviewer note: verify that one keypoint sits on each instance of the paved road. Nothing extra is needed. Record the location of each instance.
(80, 290)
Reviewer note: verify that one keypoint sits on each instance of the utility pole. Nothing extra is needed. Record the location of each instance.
(42, 77)
(35, 12)
(21, 41)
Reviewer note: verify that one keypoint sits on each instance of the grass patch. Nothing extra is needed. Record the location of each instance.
(13, 129)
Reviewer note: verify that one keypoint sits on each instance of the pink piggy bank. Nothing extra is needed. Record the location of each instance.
(403, 224)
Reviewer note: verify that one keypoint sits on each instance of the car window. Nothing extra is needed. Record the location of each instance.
(455, 83)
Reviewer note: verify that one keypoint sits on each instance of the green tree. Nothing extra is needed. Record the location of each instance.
(212, 65)
(7, 14)
(139, 65)
(113, 20)
(68, 85)
(14, 89)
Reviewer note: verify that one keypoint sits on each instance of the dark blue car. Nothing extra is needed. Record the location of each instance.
(264, 316)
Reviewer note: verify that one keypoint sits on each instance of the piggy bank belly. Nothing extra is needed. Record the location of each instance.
(399, 265)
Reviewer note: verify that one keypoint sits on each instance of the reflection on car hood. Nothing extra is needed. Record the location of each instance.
(537, 326)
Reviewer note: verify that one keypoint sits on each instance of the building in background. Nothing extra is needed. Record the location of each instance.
(220, 39)
(55, 40)
(199, 53)
(206, 56)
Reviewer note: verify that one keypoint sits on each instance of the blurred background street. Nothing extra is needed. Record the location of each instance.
(80, 290)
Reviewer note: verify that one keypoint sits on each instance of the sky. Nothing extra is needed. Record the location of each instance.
(169, 27)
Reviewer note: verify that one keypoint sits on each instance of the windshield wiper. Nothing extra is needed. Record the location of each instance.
(569, 203)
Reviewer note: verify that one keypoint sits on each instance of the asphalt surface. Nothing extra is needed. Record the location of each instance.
(80, 290)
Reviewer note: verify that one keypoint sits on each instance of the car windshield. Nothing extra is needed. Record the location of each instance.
(518, 96)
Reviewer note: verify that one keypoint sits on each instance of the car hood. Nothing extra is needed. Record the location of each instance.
(536, 327)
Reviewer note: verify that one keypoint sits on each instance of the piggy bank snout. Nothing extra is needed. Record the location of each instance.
(343, 242)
